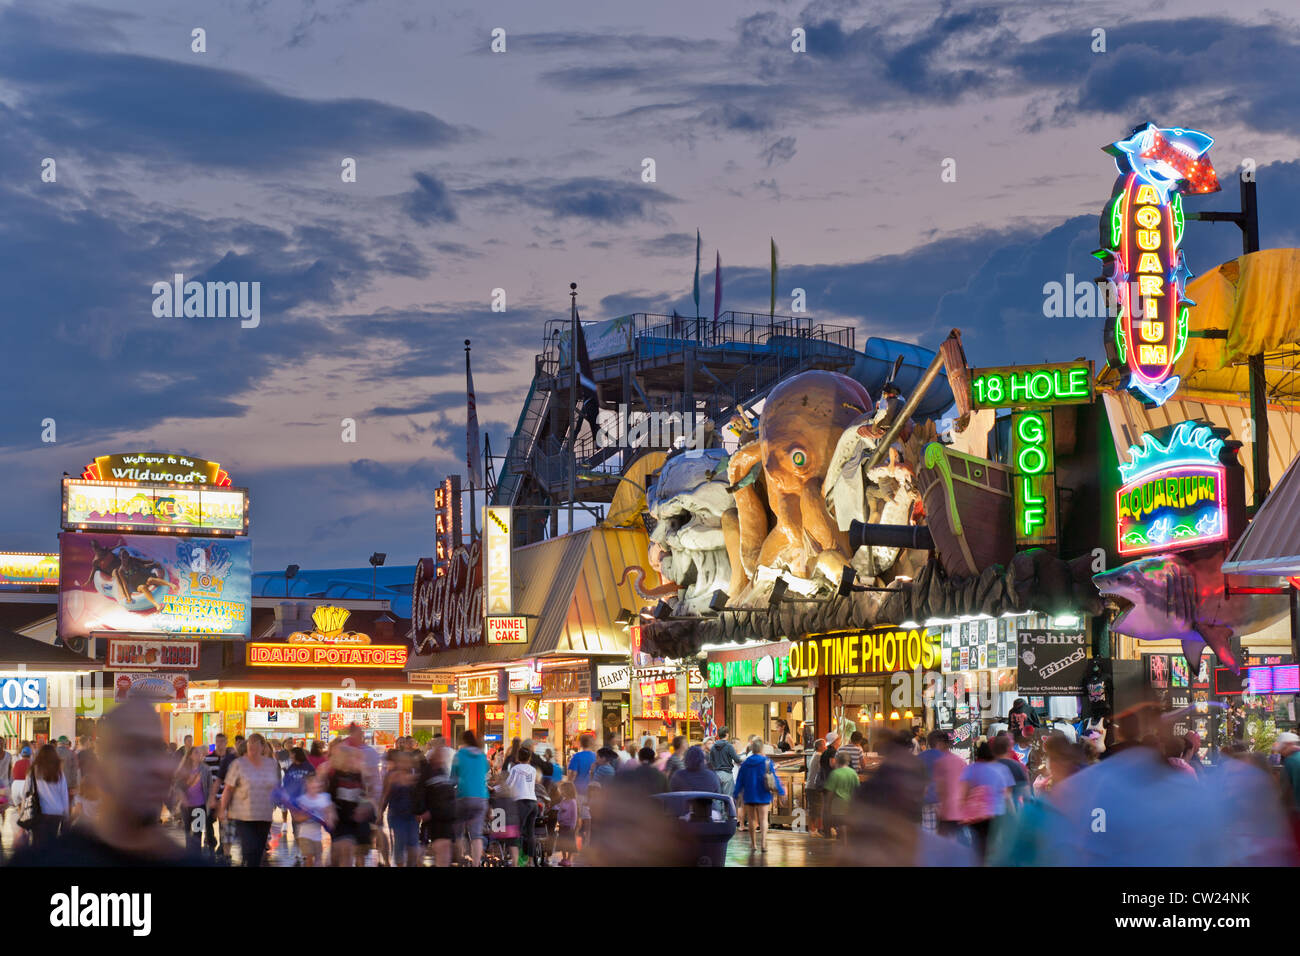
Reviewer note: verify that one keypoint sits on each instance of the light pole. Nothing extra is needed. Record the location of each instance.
(290, 572)
(376, 560)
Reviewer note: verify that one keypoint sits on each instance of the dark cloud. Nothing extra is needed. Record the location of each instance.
(430, 201)
(89, 100)
(601, 200)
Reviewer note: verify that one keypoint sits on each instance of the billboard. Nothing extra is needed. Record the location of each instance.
(154, 584)
(153, 506)
(21, 569)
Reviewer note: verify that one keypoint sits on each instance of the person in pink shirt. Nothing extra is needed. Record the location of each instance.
(943, 789)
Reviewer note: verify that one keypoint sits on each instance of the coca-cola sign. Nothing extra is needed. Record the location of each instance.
(447, 608)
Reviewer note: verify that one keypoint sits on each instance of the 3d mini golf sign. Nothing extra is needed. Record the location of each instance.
(1141, 229)
(1175, 492)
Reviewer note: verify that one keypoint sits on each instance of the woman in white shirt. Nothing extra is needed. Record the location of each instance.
(51, 795)
(521, 784)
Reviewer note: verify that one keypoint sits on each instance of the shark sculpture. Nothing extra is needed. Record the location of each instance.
(1185, 598)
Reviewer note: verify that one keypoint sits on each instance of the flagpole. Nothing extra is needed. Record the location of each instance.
(573, 395)
(469, 461)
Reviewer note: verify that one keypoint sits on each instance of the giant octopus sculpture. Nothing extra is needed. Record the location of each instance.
(802, 423)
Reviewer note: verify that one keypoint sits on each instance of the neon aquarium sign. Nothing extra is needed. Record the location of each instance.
(1141, 231)
(1175, 492)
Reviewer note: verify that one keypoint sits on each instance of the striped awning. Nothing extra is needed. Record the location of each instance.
(1271, 543)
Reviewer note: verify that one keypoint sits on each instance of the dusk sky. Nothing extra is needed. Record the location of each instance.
(522, 171)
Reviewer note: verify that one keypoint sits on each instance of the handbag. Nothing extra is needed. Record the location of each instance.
(769, 778)
(30, 811)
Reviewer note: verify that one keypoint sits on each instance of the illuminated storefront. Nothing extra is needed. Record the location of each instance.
(753, 691)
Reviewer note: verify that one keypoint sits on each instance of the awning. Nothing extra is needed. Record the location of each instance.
(1271, 542)
(568, 589)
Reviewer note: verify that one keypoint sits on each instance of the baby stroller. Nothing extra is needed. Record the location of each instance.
(544, 828)
(502, 829)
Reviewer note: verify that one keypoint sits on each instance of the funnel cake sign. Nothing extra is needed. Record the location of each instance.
(447, 607)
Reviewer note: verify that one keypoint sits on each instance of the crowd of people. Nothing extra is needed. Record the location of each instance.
(1026, 798)
(1034, 798)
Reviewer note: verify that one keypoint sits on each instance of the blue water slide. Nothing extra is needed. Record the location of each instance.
(873, 364)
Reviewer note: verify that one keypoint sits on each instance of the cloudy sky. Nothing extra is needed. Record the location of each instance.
(521, 170)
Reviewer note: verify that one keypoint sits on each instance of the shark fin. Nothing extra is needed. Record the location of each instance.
(1193, 648)
(1220, 640)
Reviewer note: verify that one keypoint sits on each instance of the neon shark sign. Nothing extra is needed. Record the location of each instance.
(1141, 230)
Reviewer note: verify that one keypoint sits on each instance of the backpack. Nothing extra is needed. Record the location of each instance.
(816, 779)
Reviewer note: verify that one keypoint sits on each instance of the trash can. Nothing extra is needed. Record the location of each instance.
(708, 820)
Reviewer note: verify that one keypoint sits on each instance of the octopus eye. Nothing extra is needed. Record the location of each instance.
(799, 458)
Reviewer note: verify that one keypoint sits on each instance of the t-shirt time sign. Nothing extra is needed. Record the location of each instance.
(1051, 662)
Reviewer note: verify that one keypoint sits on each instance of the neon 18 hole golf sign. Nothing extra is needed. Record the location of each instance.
(1141, 229)
(1174, 493)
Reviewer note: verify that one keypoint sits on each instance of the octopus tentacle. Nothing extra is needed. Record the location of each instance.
(638, 577)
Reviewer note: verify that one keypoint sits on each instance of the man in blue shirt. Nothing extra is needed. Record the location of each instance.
(579, 772)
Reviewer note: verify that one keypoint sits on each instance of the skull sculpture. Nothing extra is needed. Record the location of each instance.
(687, 502)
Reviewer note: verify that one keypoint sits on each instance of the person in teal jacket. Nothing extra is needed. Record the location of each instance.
(752, 790)
(469, 771)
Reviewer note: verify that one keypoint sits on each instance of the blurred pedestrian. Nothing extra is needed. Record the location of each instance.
(247, 799)
(1002, 753)
(723, 761)
(521, 782)
(757, 785)
(566, 843)
(47, 789)
(401, 798)
(440, 805)
(1027, 838)
(695, 774)
(133, 774)
(676, 757)
(194, 785)
(469, 770)
(943, 788)
(312, 812)
(985, 796)
(814, 787)
(840, 787)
